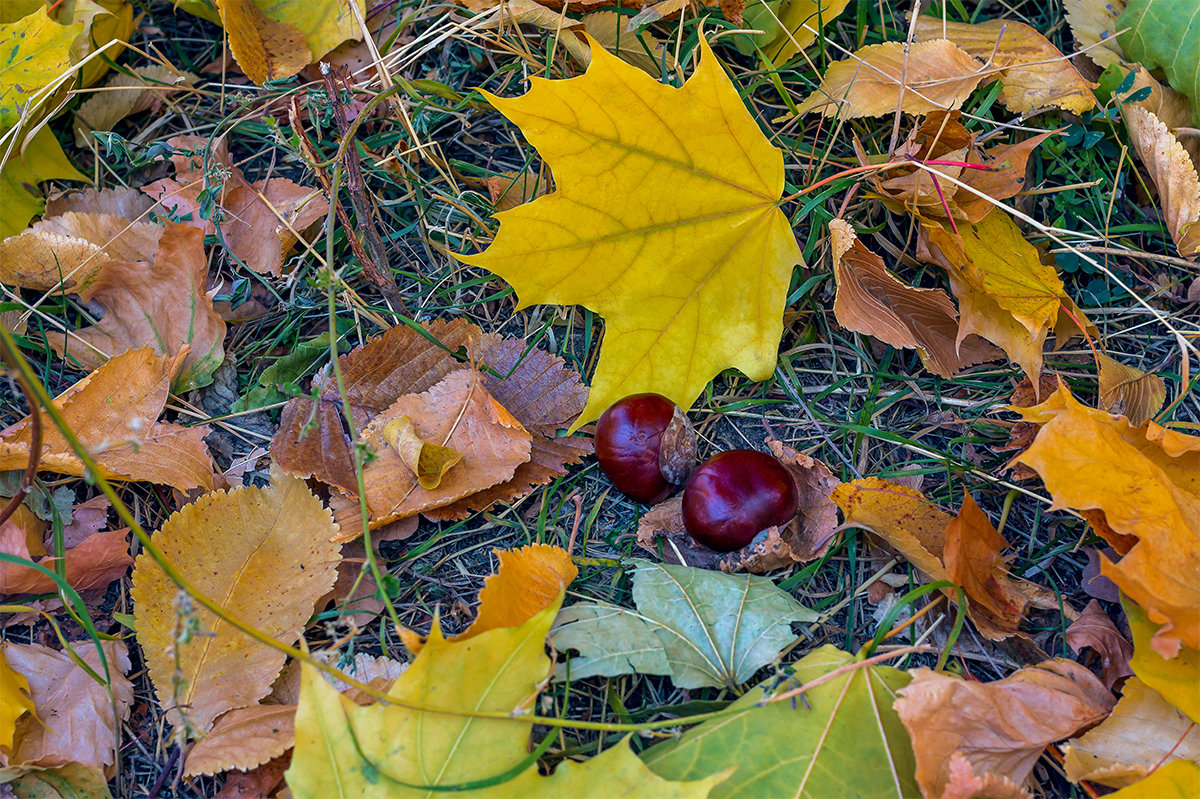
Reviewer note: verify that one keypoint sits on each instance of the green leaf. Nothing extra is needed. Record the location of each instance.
(1165, 34)
(847, 741)
(287, 369)
(42, 159)
(704, 628)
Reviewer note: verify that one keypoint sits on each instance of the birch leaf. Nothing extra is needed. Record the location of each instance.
(665, 221)
(265, 555)
(1173, 174)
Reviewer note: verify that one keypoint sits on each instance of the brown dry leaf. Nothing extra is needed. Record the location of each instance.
(265, 49)
(87, 519)
(872, 300)
(129, 204)
(113, 411)
(259, 221)
(125, 95)
(510, 189)
(1035, 74)
(938, 76)
(259, 783)
(1144, 732)
(265, 555)
(426, 460)
(70, 249)
(1140, 484)
(161, 305)
(803, 539)
(941, 137)
(89, 566)
(1130, 392)
(527, 581)
(242, 739)
(459, 413)
(973, 561)
(963, 783)
(1095, 630)
(77, 719)
(1001, 728)
(357, 597)
(1173, 174)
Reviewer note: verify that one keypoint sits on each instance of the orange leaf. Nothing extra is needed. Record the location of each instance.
(90, 565)
(242, 739)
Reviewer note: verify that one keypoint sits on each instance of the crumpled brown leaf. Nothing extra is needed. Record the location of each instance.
(260, 221)
(1095, 630)
(90, 565)
(872, 300)
(1001, 728)
(75, 720)
(803, 539)
(161, 305)
(114, 412)
(1144, 732)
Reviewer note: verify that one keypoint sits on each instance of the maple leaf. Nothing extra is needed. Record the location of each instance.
(161, 305)
(77, 718)
(113, 411)
(872, 300)
(1173, 174)
(1145, 481)
(1143, 732)
(1034, 73)
(259, 221)
(1001, 728)
(937, 75)
(265, 555)
(1174, 678)
(665, 221)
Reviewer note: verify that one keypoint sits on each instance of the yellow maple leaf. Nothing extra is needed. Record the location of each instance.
(666, 222)
(14, 700)
(1176, 677)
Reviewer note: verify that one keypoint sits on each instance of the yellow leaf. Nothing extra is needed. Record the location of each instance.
(1146, 481)
(1128, 391)
(103, 21)
(36, 50)
(528, 581)
(1173, 174)
(345, 750)
(41, 158)
(426, 460)
(1034, 73)
(666, 222)
(937, 75)
(274, 39)
(15, 700)
(1093, 25)
(799, 20)
(901, 516)
(1142, 732)
(1174, 678)
(1179, 779)
(265, 555)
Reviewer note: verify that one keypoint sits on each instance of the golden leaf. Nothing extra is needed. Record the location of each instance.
(1146, 481)
(113, 412)
(265, 555)
(424, 459)
(38, 158)
(1173, 174)
(798, 19)
(1034, 73)
(1093, 25)
(938, 75)
(14, 699)
(265, 49)
(665, 221)
(36, 50)
(1128, 391)
(1179, 779)
(1174, 677)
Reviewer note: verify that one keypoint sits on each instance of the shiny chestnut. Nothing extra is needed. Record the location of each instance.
(735, 495)
(646, 446)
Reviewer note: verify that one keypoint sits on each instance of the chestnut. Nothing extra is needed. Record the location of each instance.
(646, 446)
(735, 495)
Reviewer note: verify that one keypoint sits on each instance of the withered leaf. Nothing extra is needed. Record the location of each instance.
(1174, 176)
(89, 565)
(1094, 630)
(426, 460)
(1128, 391)
(242, 739)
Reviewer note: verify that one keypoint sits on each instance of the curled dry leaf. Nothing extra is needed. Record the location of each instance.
(1000, 728)
(1128, 391)
(262, 553)
(89, 565)
(1034, 73)
(272, 41)
(510, 189)
(113, 411)
(75, 719)
(242, 739)
(938, 75)
(872, 300)
(941, 137)
(1094, 630)
(805, 538)
(1174, 176)
(125, 95)
(695, 262)
(426, 460)
(1144, 732)
(259, 222)
(1140, 486)
(161, 305)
